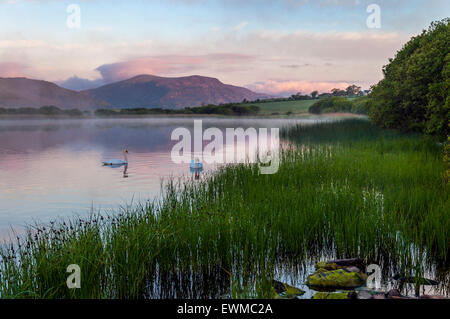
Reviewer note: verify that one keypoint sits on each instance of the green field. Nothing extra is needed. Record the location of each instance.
(282, 107)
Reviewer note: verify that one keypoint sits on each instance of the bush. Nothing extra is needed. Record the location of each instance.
(330, 105)
(105, 112)
(413, 96)
(73, 112)
(360, 105)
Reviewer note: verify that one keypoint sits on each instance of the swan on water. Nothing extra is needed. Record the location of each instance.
(197, 164)
(118, 161)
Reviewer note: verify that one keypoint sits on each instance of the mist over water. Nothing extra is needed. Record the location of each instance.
(53, 168)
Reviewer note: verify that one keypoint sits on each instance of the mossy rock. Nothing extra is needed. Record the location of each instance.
(327, 266)
(339, 278)
(283, 290)
(341, 263)
(318, 271)
(334, 295)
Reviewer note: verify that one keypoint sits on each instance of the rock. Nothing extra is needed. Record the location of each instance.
(339, 278)
(432, 297)
(326, 265)
(335, 295)
(393, 293)
(364, 294)
(399, 297)
(320, 270)
(371, 294)
(341, 263)
(352, 269)
(286, 291)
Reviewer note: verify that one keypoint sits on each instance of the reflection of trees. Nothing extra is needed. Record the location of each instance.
(105, 135)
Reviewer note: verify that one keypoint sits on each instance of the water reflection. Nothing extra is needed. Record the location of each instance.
(52, 168)
(125, 169)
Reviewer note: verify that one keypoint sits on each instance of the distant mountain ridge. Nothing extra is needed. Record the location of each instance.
(155, 91)
(23, 92)
(140, 91)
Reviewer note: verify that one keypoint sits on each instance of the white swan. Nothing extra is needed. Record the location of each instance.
(118, 161)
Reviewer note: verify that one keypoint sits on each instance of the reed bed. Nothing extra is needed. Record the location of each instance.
(343, 189)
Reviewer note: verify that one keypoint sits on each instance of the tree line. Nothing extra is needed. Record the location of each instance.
(222, 109)
(334, 104)
(48, 110)
(351, 91)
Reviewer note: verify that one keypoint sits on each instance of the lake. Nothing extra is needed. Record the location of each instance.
(53, 168)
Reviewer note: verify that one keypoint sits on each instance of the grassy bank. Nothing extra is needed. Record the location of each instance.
(343, 189)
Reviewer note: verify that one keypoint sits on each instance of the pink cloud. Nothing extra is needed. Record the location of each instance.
(290, 87)
(167, 65)
(12, 69)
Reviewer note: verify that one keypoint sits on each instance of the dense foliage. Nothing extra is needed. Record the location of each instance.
(340, 104)
(44, 110)
(413, 96)
(224, 109)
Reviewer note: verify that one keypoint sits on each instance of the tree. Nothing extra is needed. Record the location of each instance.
(338, 92)
(331, 104)
(50, 110)
(353, 90)
(314, 94)
(413, 95)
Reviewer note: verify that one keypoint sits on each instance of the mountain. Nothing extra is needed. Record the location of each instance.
(139, 91)
(23, 92)
(155, 91)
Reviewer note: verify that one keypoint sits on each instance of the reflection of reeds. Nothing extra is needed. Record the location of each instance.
(349, 190)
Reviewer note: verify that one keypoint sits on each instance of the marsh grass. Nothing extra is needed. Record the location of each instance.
(343, 189)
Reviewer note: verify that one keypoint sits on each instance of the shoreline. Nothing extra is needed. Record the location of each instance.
(256, 116)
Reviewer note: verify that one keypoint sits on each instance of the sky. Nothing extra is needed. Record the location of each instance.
(275, 47)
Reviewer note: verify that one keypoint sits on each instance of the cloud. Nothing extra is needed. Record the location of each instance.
(159, 65)
(286, 88)
(240, 26)
(21, 44)
(348, 46)
(170, 65)
(164, 65)
(12, 69)
(295, 66)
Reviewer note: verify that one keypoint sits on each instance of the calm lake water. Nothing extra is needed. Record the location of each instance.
(53, 168)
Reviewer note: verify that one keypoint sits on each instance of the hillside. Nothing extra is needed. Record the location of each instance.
(23, 92)
(154, 91)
